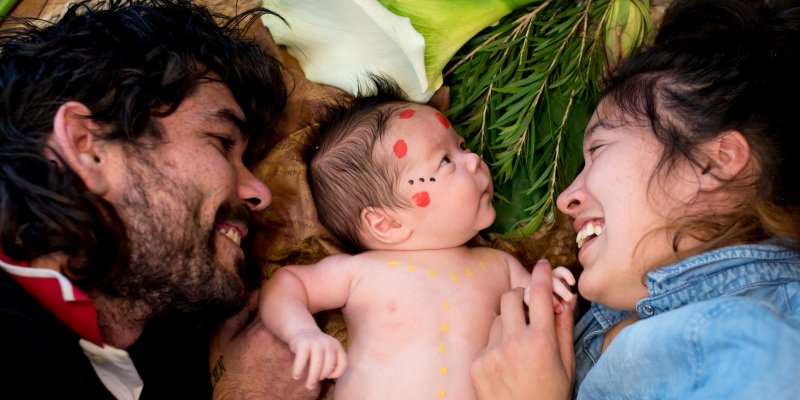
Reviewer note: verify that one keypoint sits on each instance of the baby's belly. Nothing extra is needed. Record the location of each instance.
(421, 370)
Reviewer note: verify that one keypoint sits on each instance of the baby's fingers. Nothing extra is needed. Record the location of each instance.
(300, 362)
(565, 275)
(340, 364)
(314, 368)
(330, 360)
(562, 280)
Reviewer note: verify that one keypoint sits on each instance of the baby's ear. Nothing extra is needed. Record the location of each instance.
(382, 227)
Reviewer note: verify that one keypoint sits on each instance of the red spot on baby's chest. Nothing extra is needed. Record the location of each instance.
(400, 148)
(421, 199)
(443, 120)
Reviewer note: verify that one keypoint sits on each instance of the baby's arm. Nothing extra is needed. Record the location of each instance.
(288, 301)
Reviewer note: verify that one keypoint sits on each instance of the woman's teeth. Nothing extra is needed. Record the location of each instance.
(588, 231)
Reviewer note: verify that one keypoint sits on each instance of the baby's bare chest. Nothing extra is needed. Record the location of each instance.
(401, 298)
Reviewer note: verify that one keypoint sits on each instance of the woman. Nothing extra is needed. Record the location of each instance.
(688, 221)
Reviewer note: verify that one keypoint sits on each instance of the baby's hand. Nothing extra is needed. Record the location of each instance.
(562, 280)
(322, 353)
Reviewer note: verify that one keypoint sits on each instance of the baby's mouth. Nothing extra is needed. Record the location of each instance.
(589, 231)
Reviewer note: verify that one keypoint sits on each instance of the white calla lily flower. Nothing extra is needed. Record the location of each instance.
(341, 42)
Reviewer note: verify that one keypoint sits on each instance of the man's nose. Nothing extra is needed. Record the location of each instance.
(252, 191)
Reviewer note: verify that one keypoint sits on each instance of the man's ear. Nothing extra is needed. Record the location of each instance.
(728, 155)
(382, 227)
(74, 142)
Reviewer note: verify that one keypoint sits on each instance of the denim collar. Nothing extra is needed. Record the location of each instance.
(708, 275)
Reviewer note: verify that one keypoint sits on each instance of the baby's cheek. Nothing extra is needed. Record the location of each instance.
(421, 199)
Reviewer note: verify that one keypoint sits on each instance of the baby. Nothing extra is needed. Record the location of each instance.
(393, 177)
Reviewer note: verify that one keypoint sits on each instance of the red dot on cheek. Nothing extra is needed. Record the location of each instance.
(421, 199)
(406, 114)
(443, 120)
(400, 148)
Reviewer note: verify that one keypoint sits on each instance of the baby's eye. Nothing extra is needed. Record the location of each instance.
(445, 161)
(463, 146)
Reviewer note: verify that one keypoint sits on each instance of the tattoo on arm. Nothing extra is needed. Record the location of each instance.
(217, 371)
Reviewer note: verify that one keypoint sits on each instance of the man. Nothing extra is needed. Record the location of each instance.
(123, 202)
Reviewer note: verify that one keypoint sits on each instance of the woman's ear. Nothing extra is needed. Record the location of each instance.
(383, 228)
(728, 156)
(74, 142)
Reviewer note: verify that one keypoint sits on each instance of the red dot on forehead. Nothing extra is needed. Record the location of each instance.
(421, 199)
(443, 120)
(406, 114)
(400, 148)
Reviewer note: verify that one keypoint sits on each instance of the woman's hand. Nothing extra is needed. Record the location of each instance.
(524, 361)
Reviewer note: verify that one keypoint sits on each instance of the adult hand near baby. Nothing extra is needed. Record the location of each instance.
(248, 362)
(528, 360)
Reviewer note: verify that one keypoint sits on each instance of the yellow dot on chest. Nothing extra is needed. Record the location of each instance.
(443, 371)
(445, 328)
(411, 268)
(454, 277)
(431, 273)
(393, 263)
(469, 272)
(440, 393)
(440, 349)
(445, 305)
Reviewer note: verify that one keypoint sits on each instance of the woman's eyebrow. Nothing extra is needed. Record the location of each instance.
(590, 130)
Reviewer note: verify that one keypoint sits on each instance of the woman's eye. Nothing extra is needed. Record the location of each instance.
(593, 149)
(445, 161)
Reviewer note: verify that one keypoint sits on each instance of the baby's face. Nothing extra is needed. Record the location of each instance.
(449, 186)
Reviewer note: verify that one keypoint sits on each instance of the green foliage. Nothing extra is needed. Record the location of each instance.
(522, 93)
(6, 6)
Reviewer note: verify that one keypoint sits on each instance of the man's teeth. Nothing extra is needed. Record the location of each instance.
(589, 230)
(232, 234)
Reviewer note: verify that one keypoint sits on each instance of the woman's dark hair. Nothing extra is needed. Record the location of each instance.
(346, 173)
(718, 66)
(128, 62)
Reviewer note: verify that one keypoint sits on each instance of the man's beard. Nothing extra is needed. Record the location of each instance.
(172, 266)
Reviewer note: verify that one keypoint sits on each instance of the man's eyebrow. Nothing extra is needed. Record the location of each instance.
(229, 116)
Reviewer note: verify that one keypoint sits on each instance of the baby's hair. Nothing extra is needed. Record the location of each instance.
(346, 174)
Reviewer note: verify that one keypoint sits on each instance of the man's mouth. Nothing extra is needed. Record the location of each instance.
(589, 231)
(231, 232)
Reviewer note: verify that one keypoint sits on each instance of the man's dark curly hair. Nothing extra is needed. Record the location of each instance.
(128, 62)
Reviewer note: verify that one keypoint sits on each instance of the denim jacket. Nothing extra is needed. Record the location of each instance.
(724, 324)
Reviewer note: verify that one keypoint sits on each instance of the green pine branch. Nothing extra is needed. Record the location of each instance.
(521, 96)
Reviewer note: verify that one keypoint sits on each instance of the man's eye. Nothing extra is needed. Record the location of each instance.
(445, 161)
(227, 143)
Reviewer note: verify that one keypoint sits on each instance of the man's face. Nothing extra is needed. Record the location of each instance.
(185, 202)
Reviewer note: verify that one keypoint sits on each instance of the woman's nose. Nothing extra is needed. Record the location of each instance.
(252, 191)
(571, 199)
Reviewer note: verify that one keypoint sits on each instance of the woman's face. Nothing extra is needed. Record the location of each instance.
(618, 212)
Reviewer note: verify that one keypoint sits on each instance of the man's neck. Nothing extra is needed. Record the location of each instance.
(120, 321)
